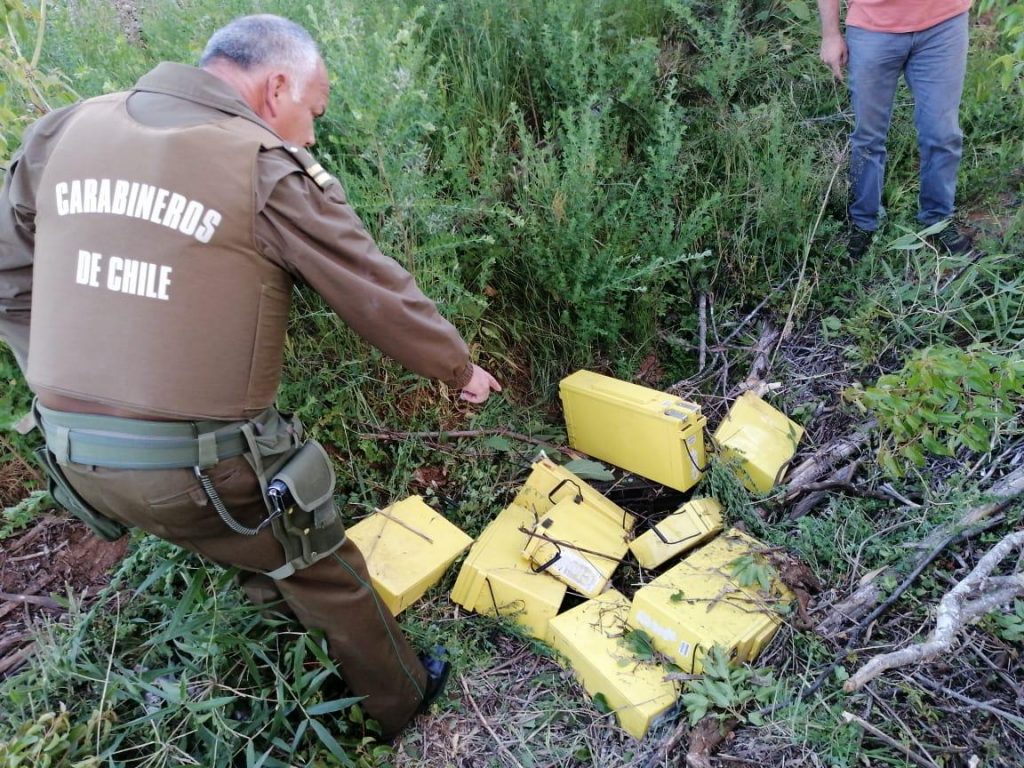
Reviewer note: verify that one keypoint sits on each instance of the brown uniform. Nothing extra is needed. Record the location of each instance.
(153, 238)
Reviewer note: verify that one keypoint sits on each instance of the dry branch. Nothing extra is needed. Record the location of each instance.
(759, 367)
(825, 459)
(925, 762)
(979, 593)
(868, 593)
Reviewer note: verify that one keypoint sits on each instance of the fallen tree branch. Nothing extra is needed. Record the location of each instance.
(868, 593)
(925, 762)
(977, 594)
(825, 459)
(759, 366)
(935, 687)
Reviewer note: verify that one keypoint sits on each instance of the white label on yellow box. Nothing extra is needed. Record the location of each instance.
(577, 571)
(665, 633)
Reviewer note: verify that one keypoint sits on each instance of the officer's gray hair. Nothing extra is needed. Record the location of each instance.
(264, 40)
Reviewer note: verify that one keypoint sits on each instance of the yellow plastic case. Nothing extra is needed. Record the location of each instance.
(763, 438)
(577, 544)
(408, 547)
(692, 524)
(495, 579)
(697, 604)
(642, 430)
(589, 637)
(549, 483)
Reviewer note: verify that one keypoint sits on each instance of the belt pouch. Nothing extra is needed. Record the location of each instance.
(311, 526)
(68, 498)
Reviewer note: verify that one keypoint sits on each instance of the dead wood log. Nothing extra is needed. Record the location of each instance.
(977, 594)
(825, 458)
(818, 494)
(762, 350)
(868, 594)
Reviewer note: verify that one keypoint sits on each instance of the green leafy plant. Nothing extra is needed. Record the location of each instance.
(13, 519)
(1010, 625)
(945, 399)
(26, 90)
(725, 690)
(752, 570)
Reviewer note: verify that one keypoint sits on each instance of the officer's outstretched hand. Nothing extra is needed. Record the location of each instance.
(480, 386)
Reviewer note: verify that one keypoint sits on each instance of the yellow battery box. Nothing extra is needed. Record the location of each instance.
(495, 579)
(408, 547)
(698, 604)
(589, 637)
(693, 523)
(642, 430)
(549, 483)
(577, 544)
(761, 437)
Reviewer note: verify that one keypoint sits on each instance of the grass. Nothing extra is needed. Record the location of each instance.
(566, 179)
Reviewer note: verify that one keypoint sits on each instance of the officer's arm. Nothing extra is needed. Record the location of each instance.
(317, 236)
(18, 229)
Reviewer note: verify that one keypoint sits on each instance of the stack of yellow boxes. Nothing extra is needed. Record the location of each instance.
(561, 534)
(558, 532)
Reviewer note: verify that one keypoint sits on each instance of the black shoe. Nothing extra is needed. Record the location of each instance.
(953, 241)
(438, 669)
(858, 241)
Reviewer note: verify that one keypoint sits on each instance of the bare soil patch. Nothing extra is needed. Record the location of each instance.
(55, 560)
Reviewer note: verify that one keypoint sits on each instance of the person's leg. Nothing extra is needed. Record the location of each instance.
(334, 594)
(935, 74)
(876, 61)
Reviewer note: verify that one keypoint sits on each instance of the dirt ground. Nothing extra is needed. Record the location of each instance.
(54, 559)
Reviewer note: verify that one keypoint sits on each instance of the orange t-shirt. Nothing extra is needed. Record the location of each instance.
(902, 15)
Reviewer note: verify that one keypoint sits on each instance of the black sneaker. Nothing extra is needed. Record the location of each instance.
(438, 669)
(858, 241)
(953, 241)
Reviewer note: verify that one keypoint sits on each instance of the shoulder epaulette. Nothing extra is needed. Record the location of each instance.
(313, 169)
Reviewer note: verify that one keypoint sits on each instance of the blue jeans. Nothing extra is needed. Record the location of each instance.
(933, 61)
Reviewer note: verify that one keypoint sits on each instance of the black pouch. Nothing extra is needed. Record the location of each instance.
(308, 524)
(66, 496)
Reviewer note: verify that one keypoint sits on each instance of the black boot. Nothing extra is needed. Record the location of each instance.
(438, 669)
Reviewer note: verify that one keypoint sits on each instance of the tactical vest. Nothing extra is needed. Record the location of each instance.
(148, 290)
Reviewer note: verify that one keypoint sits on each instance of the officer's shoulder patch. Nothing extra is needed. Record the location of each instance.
(313, 169)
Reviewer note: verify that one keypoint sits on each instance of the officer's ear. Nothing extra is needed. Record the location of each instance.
(277, 88)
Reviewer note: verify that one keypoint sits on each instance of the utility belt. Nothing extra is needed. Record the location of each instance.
(296, 476)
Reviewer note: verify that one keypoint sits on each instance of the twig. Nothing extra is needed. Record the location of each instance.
(788, 325)
(931, 685)
(405, 525)
(10, 663)
(702, 324)
(45, 602)
(486, 724)
(825, 458)
(742, 323)
(888, 490)
(40, 553)
(669, 744)
(976, 595)
(849, 717)
(1002, 492)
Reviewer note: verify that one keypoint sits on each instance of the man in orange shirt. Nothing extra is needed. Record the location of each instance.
(926, 42)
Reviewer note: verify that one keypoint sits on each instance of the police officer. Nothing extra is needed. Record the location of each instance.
(152, 238)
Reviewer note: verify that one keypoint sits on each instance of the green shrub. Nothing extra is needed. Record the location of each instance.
(945, 399)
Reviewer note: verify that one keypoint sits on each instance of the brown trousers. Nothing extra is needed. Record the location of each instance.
(334, 594)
